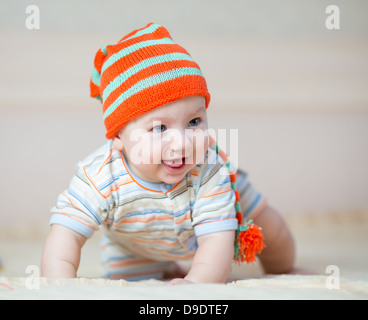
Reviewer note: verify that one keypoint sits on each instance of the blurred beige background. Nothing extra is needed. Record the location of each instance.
(296, 91)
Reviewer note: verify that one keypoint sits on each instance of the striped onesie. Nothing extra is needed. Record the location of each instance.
(149, 225)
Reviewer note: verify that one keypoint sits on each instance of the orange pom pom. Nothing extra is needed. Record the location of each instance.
(249, 243)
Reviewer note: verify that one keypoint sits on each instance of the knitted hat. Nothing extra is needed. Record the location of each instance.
(143, 71)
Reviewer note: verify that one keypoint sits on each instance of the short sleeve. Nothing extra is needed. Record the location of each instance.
(80, 207)
(214, 207)
(252, 201)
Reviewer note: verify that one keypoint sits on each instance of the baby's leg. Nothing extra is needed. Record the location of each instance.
(174, 271)
(279, 254)
(118, 263)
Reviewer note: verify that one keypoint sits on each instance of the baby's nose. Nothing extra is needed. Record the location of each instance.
(180, 145)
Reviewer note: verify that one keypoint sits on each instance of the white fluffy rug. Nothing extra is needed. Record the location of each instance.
(275, 287)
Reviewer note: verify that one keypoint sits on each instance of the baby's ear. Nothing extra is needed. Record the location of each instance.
(117, 143)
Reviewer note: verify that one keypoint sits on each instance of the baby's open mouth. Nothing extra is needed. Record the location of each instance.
(174, 166)
(174, 163)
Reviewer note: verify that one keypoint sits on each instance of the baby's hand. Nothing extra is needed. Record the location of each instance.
(179, 281)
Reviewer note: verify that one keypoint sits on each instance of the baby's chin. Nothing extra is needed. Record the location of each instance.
(172, 178)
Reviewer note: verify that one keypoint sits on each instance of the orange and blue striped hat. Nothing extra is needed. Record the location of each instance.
(143, 71)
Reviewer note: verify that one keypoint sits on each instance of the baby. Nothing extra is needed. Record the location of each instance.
(158, 187)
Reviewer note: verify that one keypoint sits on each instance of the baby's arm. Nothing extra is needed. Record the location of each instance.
(61, 253)
(212, 260)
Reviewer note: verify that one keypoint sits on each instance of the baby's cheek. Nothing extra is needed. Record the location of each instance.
(200, 148)
(156, 152)
(139, 152)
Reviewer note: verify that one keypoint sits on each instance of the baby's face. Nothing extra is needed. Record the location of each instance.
(164, 144)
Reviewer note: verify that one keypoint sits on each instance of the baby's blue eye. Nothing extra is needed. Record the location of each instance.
(194, 122)
(159, 129)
